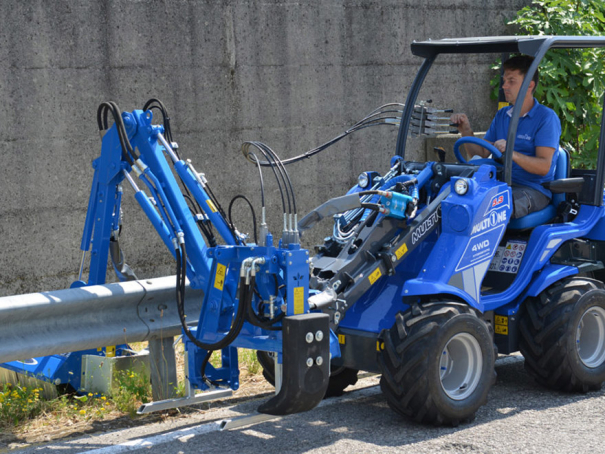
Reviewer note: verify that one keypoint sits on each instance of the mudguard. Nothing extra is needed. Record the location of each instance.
(306, 367)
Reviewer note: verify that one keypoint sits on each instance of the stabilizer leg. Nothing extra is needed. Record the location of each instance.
(306, 368)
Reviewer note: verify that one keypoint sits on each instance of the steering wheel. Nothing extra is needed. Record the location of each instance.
(482, 143)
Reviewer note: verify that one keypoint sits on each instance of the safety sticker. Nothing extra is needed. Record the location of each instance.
(299, 300)
(219, 279)
(211, 205)
(376, 274)
(341, 339)
(401, 251)
(379, 346)
(507, 259)
(501, 325)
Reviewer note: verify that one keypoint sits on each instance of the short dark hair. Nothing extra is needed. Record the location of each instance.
(522, 64)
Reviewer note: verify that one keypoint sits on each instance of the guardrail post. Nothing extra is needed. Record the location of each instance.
(163, 368)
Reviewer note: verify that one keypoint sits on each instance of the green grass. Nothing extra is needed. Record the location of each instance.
(20, 405)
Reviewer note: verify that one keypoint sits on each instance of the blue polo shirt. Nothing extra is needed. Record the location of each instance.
(540, 127)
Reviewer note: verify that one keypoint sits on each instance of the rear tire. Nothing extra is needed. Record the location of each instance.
(340, 377)
(437, 363)
(562, 335)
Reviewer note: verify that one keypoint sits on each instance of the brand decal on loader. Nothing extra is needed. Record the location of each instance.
(489, 222)
(497, 202)
(425, 228)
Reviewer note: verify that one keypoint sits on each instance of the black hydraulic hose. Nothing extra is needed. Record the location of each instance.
(379, 116)
(102, 120)
(251, 209)
(285, 172)
(245, 147)
(271, 157)
(262, 184)
(262, 322)
(194, 205)
(238, 321)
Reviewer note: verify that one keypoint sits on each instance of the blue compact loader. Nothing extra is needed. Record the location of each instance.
(425, 279)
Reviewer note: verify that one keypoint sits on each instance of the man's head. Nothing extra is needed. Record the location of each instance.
(515, 69)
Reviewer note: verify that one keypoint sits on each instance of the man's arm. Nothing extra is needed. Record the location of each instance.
(538, 165)
(464, 127)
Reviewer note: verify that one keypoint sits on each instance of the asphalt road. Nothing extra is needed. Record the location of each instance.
(520, 417)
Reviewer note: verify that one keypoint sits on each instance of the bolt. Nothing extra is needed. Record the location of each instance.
(309, 362)
(319, 360)
(336, 317)
(309, 338)
(335, 285)
(393, 258)
(319, 335)
(289, 254)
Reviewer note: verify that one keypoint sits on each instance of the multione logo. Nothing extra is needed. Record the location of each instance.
(491, 221)
(425, 227)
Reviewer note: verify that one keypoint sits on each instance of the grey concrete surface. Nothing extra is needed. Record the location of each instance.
(293, 74)
(520, 417)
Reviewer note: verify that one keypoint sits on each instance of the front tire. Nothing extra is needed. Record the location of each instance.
(437, 363)
(562, 335)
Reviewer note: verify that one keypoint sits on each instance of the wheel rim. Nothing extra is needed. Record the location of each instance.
(460, 366)
(590, 337)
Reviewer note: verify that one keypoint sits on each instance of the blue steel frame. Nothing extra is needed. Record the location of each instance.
(214, 270)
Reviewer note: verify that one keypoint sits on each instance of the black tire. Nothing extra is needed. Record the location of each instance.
(562, 335)
(340, 377)
(414, 349)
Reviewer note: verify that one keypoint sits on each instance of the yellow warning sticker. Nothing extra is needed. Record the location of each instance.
(299, 300)
(401, 251)
(379, 346)
(110, 351)
(211, 205)
(501, 320)
(376, 274)
(341, 339)
(501, 329)
(219, 279)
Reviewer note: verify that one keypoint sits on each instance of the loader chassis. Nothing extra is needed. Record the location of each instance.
(424, 280)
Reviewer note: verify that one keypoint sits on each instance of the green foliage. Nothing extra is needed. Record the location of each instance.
(18, 403)
(130, 391)
(571, 80)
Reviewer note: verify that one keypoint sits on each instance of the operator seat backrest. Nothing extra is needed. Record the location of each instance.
(562, 170)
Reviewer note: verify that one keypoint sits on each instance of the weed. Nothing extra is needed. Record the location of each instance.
(130, 391)
(18, 403)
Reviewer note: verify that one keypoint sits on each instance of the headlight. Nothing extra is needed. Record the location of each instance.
(461, 186)
(363, 180)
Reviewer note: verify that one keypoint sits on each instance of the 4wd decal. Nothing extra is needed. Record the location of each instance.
(480, 248)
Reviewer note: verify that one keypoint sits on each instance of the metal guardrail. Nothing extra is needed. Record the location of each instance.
(48, 323)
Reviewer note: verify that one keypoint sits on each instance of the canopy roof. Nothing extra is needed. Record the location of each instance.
(528, 45)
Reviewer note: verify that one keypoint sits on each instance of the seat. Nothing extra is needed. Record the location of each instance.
(546, 214)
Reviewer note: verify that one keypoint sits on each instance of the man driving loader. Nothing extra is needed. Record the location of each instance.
(537, 139)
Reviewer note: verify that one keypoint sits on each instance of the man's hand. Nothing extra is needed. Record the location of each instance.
(500, 145)
(462, 123)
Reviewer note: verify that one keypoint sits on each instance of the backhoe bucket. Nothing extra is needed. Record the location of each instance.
(306, 365)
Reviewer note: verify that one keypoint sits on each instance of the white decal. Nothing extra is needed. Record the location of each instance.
(491, 221)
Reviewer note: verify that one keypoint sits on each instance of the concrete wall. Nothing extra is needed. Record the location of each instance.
(292, 74)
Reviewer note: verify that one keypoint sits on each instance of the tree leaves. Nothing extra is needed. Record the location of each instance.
(571, 80)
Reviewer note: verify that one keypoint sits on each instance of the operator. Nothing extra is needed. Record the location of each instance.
(537, 139)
